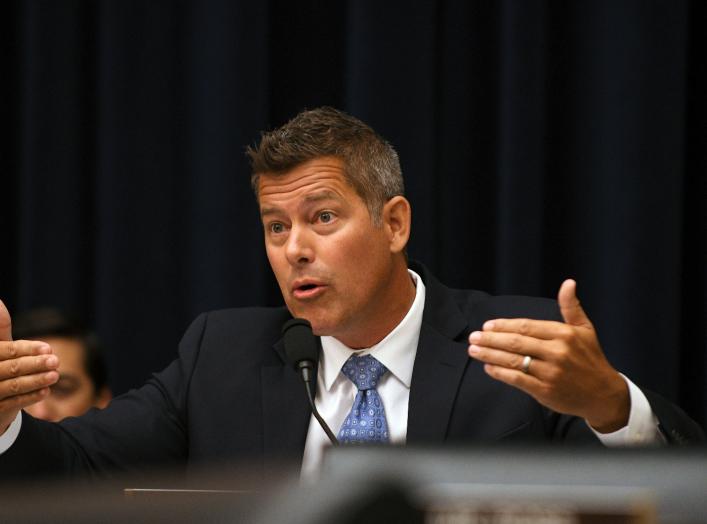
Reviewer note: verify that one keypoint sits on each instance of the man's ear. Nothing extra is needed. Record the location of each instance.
(103, 398)
(396, 221)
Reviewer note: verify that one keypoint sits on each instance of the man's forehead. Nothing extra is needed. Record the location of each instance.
(310, 181)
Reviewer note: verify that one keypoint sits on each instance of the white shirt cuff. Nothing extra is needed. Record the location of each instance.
(642, 428)
(8, 438)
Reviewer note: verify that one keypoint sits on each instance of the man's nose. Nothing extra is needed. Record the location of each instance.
(299, 248)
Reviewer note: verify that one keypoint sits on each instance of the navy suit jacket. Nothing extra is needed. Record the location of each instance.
(231, 396)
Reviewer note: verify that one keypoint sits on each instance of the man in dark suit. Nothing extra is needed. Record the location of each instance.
(394, 364)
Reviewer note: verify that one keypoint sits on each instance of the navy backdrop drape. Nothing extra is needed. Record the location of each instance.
(539, 140)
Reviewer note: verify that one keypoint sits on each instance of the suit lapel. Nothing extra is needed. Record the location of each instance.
(440, 363)
(286, 411)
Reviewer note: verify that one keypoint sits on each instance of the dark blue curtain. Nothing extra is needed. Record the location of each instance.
(539, 140)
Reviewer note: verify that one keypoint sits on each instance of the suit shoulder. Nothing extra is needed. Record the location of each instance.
(480, 303)
(245, 314)
(254, 320)
(234, 333)
(478, 306)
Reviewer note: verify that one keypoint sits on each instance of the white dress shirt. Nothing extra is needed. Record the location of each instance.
(336, 393)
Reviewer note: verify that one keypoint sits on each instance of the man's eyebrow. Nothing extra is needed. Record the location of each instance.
(321, 195)
(269, 211)
(308, 199)
(69, 379)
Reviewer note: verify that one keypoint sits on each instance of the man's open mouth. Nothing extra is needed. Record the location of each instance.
(307, 290)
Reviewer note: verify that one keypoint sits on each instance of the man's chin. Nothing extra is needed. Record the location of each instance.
(320, 327)
(317, 315)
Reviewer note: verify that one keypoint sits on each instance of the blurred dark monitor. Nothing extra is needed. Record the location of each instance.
(559, 485)
(568, 484)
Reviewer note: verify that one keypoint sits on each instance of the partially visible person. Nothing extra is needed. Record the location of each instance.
(83, 379)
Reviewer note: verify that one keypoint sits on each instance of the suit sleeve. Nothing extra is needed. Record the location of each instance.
(141, 429)
(675, 425)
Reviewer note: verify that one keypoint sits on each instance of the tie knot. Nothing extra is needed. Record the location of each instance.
(364, 371)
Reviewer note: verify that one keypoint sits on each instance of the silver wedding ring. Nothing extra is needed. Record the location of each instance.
(526, 364)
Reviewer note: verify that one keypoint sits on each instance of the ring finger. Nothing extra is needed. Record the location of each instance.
(506, 359)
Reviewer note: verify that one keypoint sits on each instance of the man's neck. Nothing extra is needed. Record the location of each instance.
(402, 298)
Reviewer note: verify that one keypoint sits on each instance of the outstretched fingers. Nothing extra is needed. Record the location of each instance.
(26, 368)
(14, 349)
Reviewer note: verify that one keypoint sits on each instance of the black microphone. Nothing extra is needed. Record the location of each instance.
(302, 352)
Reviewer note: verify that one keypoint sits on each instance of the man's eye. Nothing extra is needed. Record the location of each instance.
(276, 227)
(325, 217)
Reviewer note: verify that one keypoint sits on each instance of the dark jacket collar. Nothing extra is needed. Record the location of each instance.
(440, 362)
(441, 311)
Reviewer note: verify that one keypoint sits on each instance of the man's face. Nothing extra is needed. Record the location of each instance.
(333, 265)
(74, 393)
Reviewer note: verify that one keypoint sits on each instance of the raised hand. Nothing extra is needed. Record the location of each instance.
(27, 369)
(560, 364)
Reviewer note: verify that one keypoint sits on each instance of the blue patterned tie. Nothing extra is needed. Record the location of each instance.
(366, 423)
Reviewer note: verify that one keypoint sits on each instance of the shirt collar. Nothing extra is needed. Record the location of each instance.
(396, 351)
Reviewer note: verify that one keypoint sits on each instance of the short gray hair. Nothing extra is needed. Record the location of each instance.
(371, 165)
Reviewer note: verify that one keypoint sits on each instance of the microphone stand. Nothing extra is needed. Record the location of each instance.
(306, 367)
